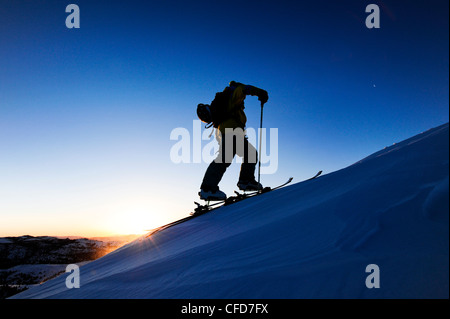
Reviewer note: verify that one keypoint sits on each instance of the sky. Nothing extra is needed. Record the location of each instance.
(87, 114)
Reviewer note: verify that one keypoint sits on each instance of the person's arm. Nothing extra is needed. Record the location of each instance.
(241, 90)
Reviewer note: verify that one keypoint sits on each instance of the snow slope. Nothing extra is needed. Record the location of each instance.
(308, 240)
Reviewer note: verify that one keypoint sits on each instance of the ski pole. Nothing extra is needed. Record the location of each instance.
(260, 141)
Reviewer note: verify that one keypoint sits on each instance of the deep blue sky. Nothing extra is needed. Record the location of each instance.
(86, 114)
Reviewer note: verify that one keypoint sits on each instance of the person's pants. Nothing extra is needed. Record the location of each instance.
(230, 144)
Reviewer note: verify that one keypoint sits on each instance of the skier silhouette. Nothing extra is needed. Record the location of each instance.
(232, 140)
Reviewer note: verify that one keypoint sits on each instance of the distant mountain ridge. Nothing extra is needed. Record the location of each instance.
(29, 260)
(50, 250)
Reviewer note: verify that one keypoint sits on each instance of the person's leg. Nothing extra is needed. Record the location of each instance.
(217, 168)
(248, 166)
(213, 176)
(247, 181)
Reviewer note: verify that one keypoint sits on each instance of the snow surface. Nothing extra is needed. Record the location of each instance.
(309, 240)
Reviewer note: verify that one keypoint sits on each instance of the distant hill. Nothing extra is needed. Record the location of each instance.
(28, 260)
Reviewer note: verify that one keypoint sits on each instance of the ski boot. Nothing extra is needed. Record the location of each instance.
(218, 195)
(248, 186)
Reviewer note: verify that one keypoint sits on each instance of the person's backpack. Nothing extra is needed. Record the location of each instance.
(215, 113)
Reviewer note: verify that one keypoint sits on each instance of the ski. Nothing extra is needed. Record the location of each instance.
(203, 209)
(317, 175)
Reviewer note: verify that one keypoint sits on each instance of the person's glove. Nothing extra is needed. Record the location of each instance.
(263, 96)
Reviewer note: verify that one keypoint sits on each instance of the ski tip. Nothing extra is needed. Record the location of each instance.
(317, 175)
